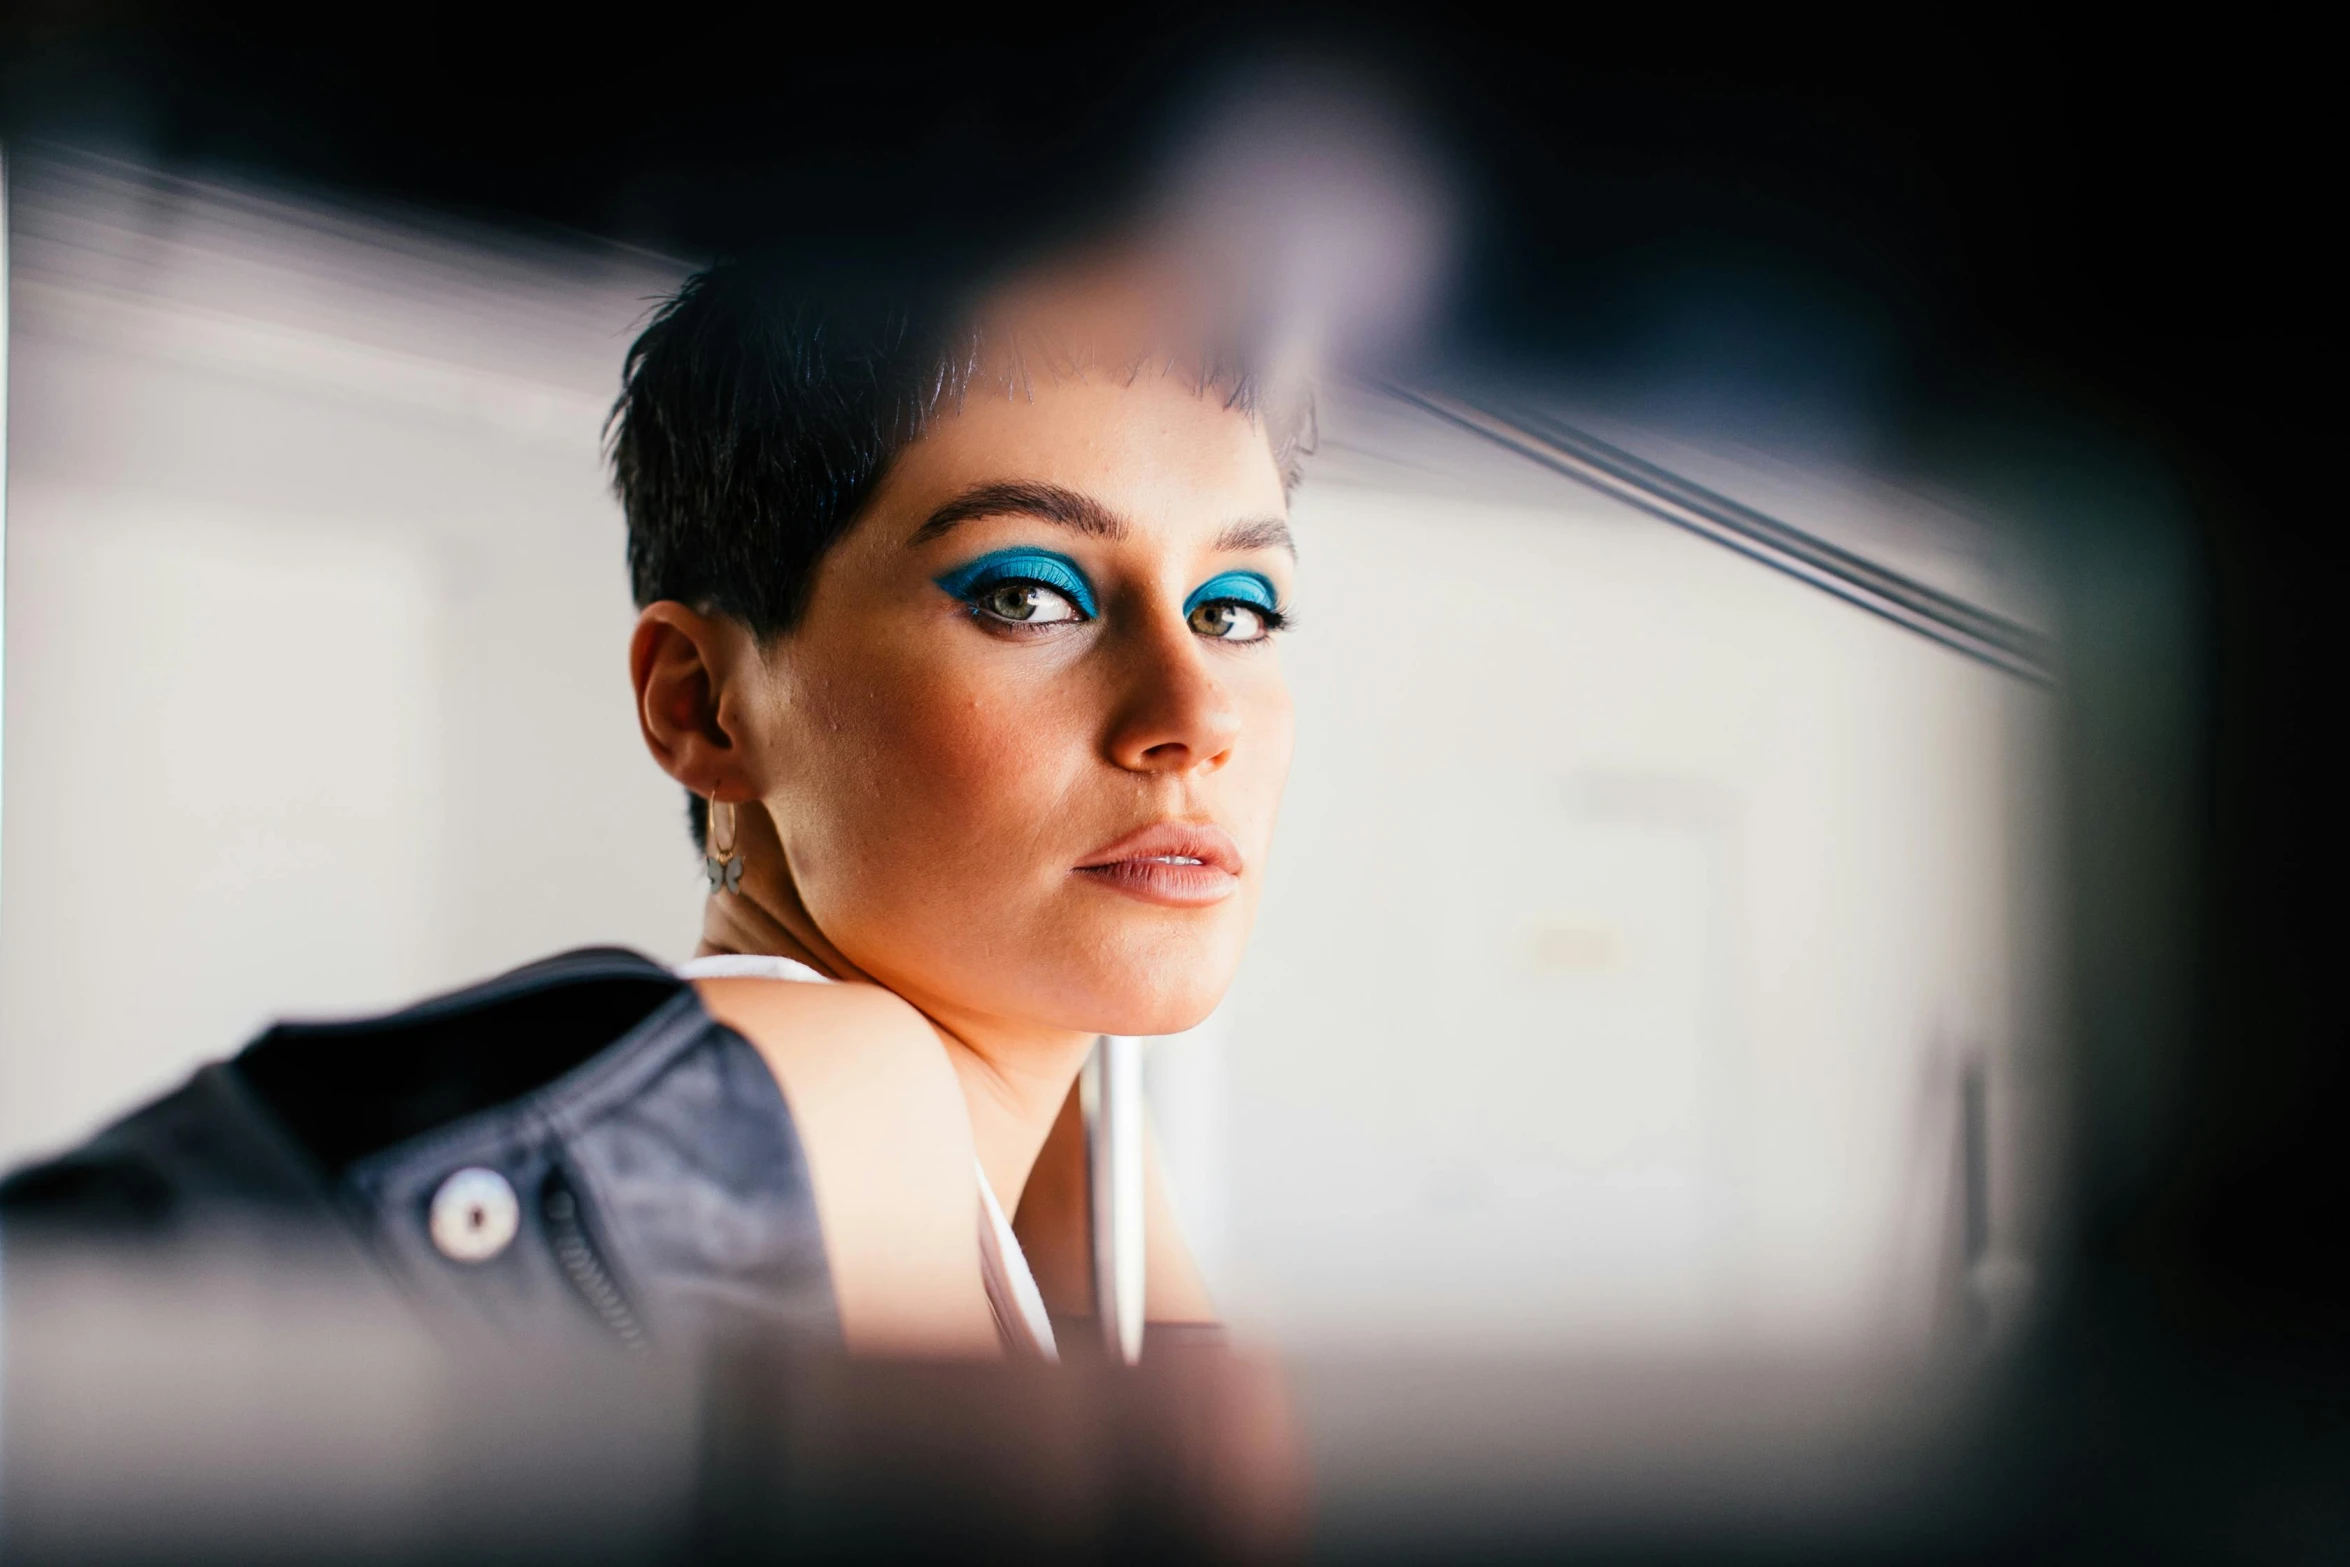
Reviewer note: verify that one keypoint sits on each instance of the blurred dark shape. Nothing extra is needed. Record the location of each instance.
(1190, 1456)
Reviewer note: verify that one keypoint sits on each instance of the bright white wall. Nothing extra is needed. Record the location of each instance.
(172, 826)
(1633, 907)
(316, 685)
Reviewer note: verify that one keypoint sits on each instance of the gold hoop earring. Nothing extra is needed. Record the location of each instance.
(721, 866)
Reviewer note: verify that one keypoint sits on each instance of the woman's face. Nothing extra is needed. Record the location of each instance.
(1025, 749)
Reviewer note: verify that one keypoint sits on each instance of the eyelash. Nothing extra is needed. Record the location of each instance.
(1274, 619)
(978, 612)
(974, 580)
(1260, 599)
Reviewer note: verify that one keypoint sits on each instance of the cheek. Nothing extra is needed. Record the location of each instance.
(1261, 766)
(931, 770)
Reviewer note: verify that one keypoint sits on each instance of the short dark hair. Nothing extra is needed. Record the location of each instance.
(757, 415)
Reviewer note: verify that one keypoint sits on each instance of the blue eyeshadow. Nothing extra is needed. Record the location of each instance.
(1244, 587)
(1020, 564)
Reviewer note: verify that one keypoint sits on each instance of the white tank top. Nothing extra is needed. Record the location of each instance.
(1003, 1267)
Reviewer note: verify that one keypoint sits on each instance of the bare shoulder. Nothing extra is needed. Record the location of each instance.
(878, 1109)
(856, 1037)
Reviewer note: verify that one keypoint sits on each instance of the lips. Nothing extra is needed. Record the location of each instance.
(1179, 864)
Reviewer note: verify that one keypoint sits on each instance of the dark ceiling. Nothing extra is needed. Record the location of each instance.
(1995, 199)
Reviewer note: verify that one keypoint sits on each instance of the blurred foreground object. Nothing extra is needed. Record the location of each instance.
(227, 1415)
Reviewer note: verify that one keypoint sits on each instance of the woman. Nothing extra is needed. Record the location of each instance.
(960, 629)
(963, 639)
(977, 688)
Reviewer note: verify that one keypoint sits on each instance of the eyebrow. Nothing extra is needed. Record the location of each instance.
(1047, 502)
(1269, 533)
(1079, 512)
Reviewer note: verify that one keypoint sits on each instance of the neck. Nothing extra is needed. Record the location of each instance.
(1015, 1081)
(1015, 1077)
(737, 923)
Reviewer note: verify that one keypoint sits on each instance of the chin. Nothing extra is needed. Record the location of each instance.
(1139, 972)
(1157, 992)
(1154, 1017)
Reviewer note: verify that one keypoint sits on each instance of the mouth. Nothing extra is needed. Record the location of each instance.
(1178, 864)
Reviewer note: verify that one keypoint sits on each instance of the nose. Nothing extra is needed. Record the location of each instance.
(1173, 716)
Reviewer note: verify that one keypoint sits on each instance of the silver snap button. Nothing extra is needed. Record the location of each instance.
(474, 1215)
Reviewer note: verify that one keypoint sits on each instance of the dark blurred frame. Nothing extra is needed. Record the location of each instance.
(2115, 257)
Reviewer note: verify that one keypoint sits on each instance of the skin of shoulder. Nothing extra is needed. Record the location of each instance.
(882, 1118)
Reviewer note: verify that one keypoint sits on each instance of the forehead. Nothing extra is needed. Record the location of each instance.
(1150, 446)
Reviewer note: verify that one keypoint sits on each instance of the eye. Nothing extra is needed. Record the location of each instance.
(1022, 586)
(1236, 606)
(1027, 587)
(1229, 620)
(1025, 603)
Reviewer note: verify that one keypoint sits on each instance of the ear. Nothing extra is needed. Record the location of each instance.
(692, 674)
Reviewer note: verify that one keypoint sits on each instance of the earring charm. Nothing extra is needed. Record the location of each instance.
(721, 866)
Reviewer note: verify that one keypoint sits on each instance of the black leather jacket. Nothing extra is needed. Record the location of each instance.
(574, 1152)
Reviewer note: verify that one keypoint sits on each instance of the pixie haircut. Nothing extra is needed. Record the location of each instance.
(756, 417)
